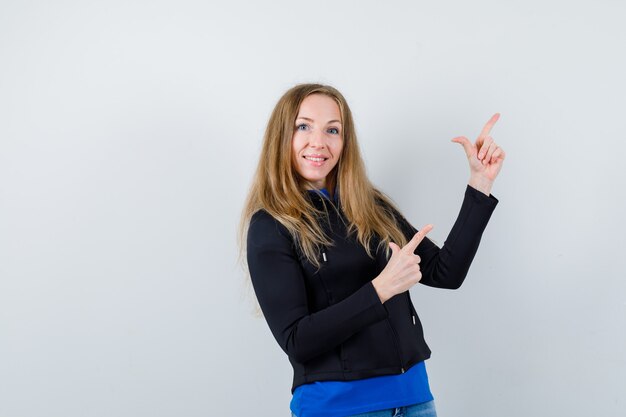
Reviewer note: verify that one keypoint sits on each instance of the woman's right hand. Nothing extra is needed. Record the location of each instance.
(402, 270)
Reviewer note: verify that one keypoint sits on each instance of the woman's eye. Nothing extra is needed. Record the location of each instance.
(333, 129)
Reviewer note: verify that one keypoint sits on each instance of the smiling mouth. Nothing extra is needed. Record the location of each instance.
(315, 159)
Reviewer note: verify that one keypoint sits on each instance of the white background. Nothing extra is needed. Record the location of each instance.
(129, 133)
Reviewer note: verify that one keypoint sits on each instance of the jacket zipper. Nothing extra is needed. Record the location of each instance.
(328, 293)
(342, 358)
(395, 335)
(411, 310)
(397, 345)
(395, 340)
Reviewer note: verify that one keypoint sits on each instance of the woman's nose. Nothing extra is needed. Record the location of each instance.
(317, 139)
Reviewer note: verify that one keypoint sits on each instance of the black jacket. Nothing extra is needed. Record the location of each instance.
(331, 323)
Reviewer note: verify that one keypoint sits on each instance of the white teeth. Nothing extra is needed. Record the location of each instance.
(310, 158)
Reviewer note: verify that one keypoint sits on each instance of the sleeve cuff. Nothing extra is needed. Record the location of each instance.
(380, 310)
(480, 197)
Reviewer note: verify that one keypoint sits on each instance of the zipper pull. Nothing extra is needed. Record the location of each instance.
(324, 255)
(413, 319)
(402, 370)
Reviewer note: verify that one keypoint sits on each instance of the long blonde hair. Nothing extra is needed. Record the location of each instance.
(281, 192)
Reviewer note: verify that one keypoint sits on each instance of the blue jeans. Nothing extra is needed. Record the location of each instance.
(426, 409)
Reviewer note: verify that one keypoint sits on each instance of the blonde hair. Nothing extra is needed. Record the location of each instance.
(278, 189)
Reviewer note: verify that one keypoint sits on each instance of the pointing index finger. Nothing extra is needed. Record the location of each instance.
(417, 238)
(489, 125)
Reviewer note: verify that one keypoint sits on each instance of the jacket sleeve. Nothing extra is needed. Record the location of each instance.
(447, 267)
(279, 285)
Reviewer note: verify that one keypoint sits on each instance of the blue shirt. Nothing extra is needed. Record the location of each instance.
(343, 398)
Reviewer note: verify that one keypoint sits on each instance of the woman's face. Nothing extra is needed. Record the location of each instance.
(318, 134)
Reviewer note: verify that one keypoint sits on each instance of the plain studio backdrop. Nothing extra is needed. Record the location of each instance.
(129, 134)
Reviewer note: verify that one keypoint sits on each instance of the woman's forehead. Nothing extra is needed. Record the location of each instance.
(319, 108)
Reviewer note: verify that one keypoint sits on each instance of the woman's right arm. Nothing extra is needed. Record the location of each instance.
(279, 286)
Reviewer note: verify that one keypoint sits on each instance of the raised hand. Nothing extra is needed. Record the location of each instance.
(402, 270)
(485, 157)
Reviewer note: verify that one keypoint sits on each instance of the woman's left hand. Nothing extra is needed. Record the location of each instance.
(485, 156)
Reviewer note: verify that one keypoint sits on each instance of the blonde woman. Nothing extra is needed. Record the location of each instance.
(331, 260)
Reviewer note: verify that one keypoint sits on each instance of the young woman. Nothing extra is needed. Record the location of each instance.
(331, 260)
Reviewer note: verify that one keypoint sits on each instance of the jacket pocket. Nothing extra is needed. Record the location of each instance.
(371, 348)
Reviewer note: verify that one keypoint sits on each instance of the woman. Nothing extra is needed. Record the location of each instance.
(331, 260)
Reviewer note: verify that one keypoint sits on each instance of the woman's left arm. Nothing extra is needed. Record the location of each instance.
(447, 267)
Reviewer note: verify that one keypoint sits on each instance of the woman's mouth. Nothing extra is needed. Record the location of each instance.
(317, 162)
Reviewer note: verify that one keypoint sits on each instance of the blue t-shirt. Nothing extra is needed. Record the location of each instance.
(343, 398)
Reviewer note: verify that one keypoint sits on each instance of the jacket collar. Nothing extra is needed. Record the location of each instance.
(323, 192)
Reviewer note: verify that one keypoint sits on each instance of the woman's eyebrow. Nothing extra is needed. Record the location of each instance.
(311, 120)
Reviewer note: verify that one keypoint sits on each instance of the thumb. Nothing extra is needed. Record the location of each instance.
(394, 248)
(467, 145)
